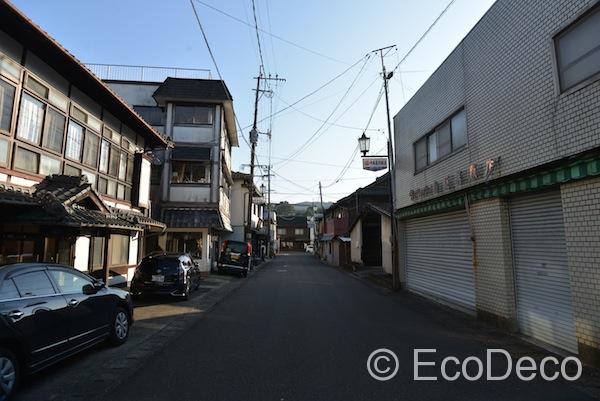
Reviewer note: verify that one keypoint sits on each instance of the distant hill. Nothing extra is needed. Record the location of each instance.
(299, 209)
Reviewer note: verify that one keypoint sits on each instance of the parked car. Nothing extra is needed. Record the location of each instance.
(49, 312)
(174, 274)
(236, 257)
(309, 248)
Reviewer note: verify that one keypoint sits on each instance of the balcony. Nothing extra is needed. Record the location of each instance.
(144, 73)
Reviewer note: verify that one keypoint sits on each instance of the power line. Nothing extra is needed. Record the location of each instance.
(312, 92)
(423, 35)
(262, 62)
(316, 134)
(271, 34)
(310, 162)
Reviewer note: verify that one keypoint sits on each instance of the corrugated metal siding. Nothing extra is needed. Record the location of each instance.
(543, 289)
(439, 258)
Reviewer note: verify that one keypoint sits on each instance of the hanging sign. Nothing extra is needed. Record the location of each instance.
(375, 163)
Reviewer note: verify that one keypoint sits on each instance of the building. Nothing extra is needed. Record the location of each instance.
(74, 167)
(292, 233)
(191, 180)
(371, 237)
(239, 214)
(498, 164)
(339, 220)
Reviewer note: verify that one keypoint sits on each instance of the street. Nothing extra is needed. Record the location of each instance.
(300, 330)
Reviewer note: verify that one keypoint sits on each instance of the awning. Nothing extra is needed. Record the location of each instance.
(192, 218)
(326, 237)
(190, 153)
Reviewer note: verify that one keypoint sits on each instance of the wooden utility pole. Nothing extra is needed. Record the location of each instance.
(321, 195)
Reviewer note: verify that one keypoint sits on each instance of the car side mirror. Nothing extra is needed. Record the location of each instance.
(90, 289)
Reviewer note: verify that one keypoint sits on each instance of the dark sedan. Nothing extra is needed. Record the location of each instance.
(173, 274)
(49, 312)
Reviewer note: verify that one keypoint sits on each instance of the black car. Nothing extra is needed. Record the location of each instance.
(49, 312)
(236, 257)
(173, 274)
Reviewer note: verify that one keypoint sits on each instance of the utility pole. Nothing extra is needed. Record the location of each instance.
(321, 195)
(391, 169)
(253, 141)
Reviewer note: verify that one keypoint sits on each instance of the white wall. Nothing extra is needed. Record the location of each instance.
(135, 94)
(82, 253)
(356, 243)
(189, 193)
(144, 196)
(386, 244)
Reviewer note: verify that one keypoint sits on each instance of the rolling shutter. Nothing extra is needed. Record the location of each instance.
(543, 289)
(439, 258)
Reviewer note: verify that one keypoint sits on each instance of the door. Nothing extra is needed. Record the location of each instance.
(371, 240)
(543, 289)
(89, 315)
(37, 314)
(439, 261)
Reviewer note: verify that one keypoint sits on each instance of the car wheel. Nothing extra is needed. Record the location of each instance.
(188, 289)
(120, 327)
(9, 374)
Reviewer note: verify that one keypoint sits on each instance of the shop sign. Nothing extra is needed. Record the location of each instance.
(475, 173)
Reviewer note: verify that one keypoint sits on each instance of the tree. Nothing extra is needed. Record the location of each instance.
(284, 209)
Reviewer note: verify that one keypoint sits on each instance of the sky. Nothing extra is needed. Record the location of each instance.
(329, 37)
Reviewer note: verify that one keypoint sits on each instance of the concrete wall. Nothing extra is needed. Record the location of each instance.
(135, 93)
(386, 244)
(494, 289)
(356, 243)
(581, 212)
(503, 74)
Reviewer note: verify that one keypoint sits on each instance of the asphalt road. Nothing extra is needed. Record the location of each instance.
(299, 330)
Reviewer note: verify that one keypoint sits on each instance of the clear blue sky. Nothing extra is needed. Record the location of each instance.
(165, 33)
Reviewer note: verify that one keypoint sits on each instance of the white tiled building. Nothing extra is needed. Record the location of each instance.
(498, 165)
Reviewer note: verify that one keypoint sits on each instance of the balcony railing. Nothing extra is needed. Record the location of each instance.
(120, 72)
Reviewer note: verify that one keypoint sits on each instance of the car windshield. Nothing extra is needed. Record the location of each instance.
(151, 265)
(236, 247)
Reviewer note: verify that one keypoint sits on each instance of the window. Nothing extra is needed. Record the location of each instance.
(26, 160)
(70, 170)
(97, 253)
(79, 114)
(7, 96)
(102, 185)
(69, 283)
(459, 130)
(36, 87)
(122, 166)
(448, 137)
(129, 176)
(54, 130)
(111, 188)
(189, 172)
(281, 231)
(49, 165)
(578, 50)
(152, 114)
(113, 166)
(193, 115)
(90, 149)
(3, 152)
(120, 191)
(31, 118)
(104, 156)
(299, 231)
(8, 290)
(119, 254)
(421, 154)
(91, 177)
(9, 68)
(74, 141)
(33, 284)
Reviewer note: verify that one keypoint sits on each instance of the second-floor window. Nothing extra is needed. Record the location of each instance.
(281, 231)
(189, 172)
(153, 115)
(193, 115)
(578, 50)
(448, 137)
(7, 95)
(299, 231)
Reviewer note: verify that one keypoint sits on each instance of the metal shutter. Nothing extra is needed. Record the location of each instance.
(543, 289)
(439, 258)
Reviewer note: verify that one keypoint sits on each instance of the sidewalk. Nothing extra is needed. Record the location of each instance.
(158, 321)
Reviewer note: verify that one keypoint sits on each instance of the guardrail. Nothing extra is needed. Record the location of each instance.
(122, 72)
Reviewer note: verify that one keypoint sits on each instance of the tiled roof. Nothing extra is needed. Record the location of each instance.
(137, 218)
(191, 218)
(291, 221)
(16, 197)
(193, 90)
(63, 187)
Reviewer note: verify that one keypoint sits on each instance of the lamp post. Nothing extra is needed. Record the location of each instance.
(364, 146)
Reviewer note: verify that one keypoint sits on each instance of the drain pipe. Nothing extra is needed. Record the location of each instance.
(472, 232)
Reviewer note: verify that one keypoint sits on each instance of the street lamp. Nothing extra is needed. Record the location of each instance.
(262, 189)
(364, 144)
